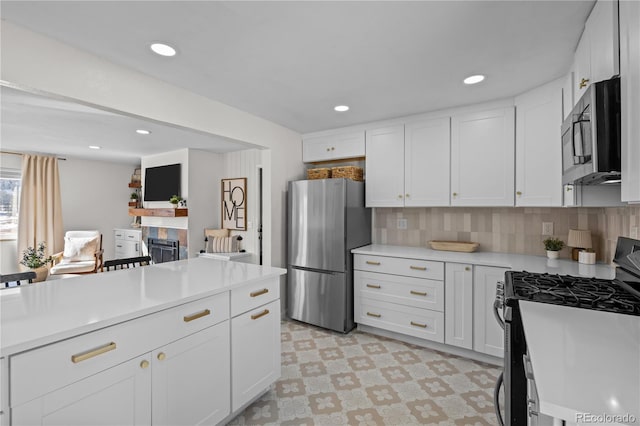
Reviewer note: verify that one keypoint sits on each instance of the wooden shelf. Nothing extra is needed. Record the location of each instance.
(170, 212)
(135, 185)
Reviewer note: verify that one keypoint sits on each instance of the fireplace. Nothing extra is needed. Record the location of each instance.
(163, 250)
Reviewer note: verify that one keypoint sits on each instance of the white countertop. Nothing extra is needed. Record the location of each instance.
(516, 262)
(584, 361)
(41, 313)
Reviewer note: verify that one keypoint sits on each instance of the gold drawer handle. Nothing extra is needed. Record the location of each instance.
(261, 314)
(583, 83)
(418, 268)
(259, 292)
(144, 364)
(92, 353)
(418, 293)
(371, 262)
(373, 286)
(374, 315)
(417, 324)
(161, 356)
(197, 315)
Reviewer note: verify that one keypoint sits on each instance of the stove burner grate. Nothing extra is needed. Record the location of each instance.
(579, 292)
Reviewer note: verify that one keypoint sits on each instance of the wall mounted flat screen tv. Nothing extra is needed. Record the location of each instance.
(160, 183)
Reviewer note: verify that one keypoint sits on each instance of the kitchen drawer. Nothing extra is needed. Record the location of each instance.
(127, 249)
(399, 266)
(39, 371)
(128, 235)
(422, 323)
(416, 292)
(251, 296)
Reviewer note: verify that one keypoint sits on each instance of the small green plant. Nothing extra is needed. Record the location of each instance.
(134, 196)
(553, 244)
(34, 258)
(175, 199)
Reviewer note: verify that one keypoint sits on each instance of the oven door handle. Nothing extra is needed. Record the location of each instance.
(496, 399)
(496, 307)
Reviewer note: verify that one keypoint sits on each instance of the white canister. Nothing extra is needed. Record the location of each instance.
(587, 257)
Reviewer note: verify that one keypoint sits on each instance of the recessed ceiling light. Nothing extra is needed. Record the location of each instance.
(143, 131)
(163, 49)
(95, 147)
(474, 79)
(341, 108)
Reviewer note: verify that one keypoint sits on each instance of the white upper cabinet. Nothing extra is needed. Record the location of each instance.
(482, 158)
(385, 167)
(597, 55)
(538, 147)
(426, 163)
(567, 95)
(335, 146)
(630, 97)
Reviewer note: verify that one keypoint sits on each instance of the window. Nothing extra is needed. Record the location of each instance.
(9, 203)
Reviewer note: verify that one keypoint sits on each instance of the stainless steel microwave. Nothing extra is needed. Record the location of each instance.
(591, 136)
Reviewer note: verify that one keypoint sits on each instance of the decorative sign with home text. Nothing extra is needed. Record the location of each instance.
(234, 204)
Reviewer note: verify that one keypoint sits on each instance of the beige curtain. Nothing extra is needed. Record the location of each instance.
(40, 216)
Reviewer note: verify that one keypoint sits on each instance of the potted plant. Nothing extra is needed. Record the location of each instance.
(553, 246)
(134, 198)
(35, 260)
(175, 199)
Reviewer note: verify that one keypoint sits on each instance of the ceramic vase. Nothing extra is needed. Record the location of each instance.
(552, 254)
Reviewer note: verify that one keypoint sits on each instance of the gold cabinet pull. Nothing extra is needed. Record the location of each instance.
(162, 356)
(467, 268)
(93, 352)
(583, 82)
(418, 293)
(455, 194)
(371, 314)
(144, 364)
(400, 196)
(417, 324)
(371, 262)
(259, 292)
(418, 268)
(195, 316)
(518, 192)
(261, 314)
(407, 195)
(373, 286)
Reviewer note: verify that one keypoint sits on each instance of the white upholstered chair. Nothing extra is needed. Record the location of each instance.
(82, 254)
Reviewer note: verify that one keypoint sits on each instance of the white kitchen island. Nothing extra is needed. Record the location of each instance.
(187, 342)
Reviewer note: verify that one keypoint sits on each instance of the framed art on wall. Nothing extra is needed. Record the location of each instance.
(234, 204)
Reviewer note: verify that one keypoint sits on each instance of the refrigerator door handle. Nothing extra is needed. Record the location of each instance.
(321, 271)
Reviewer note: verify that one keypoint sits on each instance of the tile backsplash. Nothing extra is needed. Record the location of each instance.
(506, 229)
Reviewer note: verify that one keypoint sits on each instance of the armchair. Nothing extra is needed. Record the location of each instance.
(82, 254)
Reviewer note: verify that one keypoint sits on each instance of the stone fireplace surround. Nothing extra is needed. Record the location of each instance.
(164, 233)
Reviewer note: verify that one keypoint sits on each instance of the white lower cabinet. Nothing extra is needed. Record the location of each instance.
(255, 343)
(120, 395)
(191, 379)
(488, 336)
(128, 243)
(459, 305)
(390, 293)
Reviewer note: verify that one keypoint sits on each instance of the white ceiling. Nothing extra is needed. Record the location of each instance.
(291, 62)
(33, 123)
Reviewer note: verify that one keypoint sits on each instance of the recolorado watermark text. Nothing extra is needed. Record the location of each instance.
(589, 418)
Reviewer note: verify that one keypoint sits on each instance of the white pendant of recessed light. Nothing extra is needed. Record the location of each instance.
(163, 49)
(94, 147)
(341, 108)
(473, 79)
(143, 131)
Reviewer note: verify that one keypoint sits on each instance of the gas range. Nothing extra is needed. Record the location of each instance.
(577, 292)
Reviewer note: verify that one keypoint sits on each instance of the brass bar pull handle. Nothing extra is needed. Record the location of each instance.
(259, 292)
(374, 315)
(261, 314)
(418, 293)
(195, 316)
(93, 353)
(583, 83)
(417, 324)
(418, 268)
(373, 286)
(371, 262)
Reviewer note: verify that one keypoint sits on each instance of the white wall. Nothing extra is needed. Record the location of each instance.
(32, 61)
(95, 196)
(205, 172)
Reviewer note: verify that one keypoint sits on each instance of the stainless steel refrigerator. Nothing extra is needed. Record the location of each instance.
(326, 219)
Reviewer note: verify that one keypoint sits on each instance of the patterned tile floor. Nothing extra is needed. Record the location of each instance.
(363, 379)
